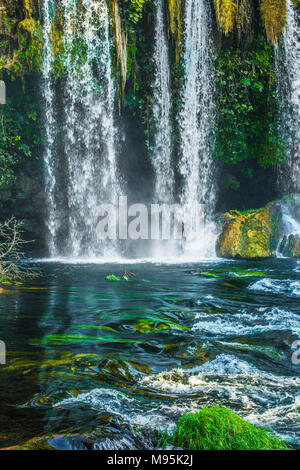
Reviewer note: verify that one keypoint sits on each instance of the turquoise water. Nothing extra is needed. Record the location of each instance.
(98, 364)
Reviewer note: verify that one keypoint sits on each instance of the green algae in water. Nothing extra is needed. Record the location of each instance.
(217, 428)
(149, 326)
(75, 339)
(234, 272)
(95, 327)
(113, 278)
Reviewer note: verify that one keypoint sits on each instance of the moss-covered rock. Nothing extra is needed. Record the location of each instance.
(217, 428)
(249, 235)
(260, 233)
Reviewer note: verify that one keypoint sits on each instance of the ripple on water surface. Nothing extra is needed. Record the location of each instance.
(90, 356)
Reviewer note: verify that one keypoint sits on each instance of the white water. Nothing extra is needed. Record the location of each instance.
(80, 158)
(195, 120)
(291, 225)
(49, 119)
(162, 155)
(288, 86)
(86, 104)
(90, 146)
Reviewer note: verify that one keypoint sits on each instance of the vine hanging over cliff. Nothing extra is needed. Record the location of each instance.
(237, 15)
(273, 14)
(175, 24)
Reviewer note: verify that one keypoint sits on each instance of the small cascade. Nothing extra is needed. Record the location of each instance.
(195, 120)
(289, 224)
(88, 137)
(287, 55)
(162, 154)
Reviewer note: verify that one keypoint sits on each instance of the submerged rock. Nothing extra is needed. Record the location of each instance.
(111, 434)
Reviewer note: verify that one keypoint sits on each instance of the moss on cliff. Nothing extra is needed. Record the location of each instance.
(20, 36)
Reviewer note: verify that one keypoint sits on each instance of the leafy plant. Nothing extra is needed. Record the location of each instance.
(246, 106)
(18, 131)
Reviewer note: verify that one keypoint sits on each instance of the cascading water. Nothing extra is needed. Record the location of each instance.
(162, 150)
(80, 155)
(162, 155)
(195, 120)
(87, 103)
(49, 118)
(287, 55)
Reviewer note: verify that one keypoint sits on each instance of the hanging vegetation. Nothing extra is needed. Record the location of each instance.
(175, 24)
(246, 107)
(226, 15)
(244, 16)
(273, 14)
(236, 15)
(120, 41)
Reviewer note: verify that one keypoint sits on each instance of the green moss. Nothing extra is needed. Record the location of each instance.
(217, 428)
(249, 236)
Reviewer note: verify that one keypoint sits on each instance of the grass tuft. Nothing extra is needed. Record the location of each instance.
(217, 428)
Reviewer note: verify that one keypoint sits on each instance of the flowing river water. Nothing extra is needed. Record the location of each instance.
(101, 365)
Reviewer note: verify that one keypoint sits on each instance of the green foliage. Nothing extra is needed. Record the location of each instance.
(29, 50)
(20, 38)
(217, 428)
(246, 106)
(135, 9)
(18, 132)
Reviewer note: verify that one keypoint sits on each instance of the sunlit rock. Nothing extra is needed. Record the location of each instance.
(248, 235)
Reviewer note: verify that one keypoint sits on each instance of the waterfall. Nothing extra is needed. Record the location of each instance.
(49, 119)
(195, 121)
(162, 154)
(287, 56)
(88, 136)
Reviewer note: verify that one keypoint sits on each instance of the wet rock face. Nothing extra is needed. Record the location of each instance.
(259, 233)
(291, 246)
(249, 235)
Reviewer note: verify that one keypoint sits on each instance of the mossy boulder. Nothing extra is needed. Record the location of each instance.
(249, 235)
(217, 428)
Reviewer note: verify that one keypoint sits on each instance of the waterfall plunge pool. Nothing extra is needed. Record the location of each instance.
(97, 364)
